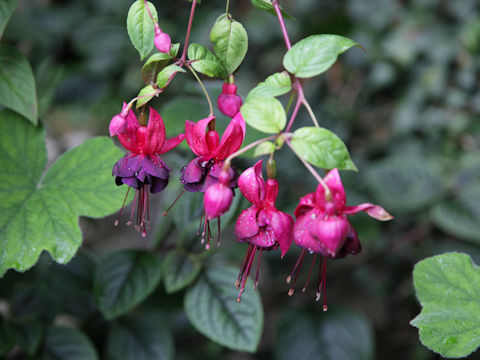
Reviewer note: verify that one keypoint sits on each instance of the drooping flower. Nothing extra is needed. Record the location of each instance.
(218, 197)
(142, 168)
(229, 102)
(262, 226)
(162, 40)
(322, 227)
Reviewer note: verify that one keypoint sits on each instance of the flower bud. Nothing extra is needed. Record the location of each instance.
(228, 101)
(117, 125)
(217, 200)
(162, 41)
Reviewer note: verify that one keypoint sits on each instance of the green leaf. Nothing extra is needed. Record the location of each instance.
(322, 148)
(275, 85)
(315, 54)
(180, 270)
(141, 28)
(41, 213)
(230, 42)
(211, 306)
(206, 62)
(66, 343)
(264, 148)
(266, 5)
(124, 279)
(140, 337)
(6, 10)
(328, 336)
(17, 84)
(153, 66)
(26, 334)
(166, 74)
(145, 95)
(265, 114)
(174, 49)
(448, 288)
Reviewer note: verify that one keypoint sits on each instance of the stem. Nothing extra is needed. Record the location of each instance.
(290, 101)
(276, 6)
(149, 13)
(189, 29)
(304, 101)
(203, 88)
(226, 9)
(328, 194)
(227, 161)
(294, 114)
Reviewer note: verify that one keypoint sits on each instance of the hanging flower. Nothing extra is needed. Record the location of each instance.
(229, 102)
(162, 40)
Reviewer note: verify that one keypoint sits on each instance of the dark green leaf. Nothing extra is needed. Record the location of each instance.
(275, 85)
(180, 270)
(17, 84)
(145, 95)
(27, 335)
(153, 66)
(315, 54)
(230, 42)
(124, 279)
(266, 5)
(322, 148)
(265, 114)
(205, 62)
(42, 213)
(141, 28)
(6, 10)
(66, 343)
(211, 306)
(140, 337)
(166, 74)
(448, 287)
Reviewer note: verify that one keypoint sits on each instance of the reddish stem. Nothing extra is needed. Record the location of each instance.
(276, 6)
(189, 29)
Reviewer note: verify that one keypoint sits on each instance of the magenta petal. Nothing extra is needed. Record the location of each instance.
(265, 239)
(252, 185)
(306, 204)
(232, 138)
(198, 141)
(163, 42)
(171, 143)
(217, 200)
(302, 236)
(374, 211)
(155, 133)
(246, 225)
(128, 138)
(331, 233)
(282, 226)
(334, 183)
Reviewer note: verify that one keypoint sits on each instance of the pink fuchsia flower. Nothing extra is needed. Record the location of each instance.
(261, 225)
(322, 226)
(162, 40)
(142, 168)
(228, 101)
(218, 197)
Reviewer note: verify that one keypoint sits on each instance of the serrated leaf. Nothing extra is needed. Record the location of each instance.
(265, 114)
(141, 336)
(153, 66)
(6, 10)
(264, 148)
(275, 85)
(322, 148)
(266, 5)
(448, 288)
(180, 270)
(230, 42)
(17, 84)
(212, 308)
(166, 74)
(206, 62)
(41, 213)
(140, 27)
(124, 279)
(315, 54)
(66, 343)
(145, 95)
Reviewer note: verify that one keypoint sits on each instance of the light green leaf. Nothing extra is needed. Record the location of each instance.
(140, 27)
(265, 114)
(448, 288)
(275, 85)
(264, 148)
(166, 74)
(142, 337)
(124, 279)
(211, 306)
(180, 270)
(266, 5)
(153, 66)
(322, 148)
(230, 42)
(66, 343)
(205, 62)
(145, 95)
(315, 54)
(17, 84)
(174, 49)
(6, 10)
(42, 213)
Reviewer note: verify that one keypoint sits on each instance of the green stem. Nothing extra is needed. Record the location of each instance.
(226, 9)
(203, 88)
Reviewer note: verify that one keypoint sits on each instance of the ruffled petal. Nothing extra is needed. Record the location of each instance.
(171, 143)
(195, 135)
(375, 211)
(252, 185)
(282, 226)
(246, 225)
(334, 183)
(232, 138)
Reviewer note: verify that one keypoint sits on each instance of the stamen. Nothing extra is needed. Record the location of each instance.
(123, 205)
(324, 280)
(258, 269)
(130, 222)
(309, 273)
(246, 273)
(296, 269)
(174, 202)
(242, 267)
(201, 222)
(218, 231)
(319, 282)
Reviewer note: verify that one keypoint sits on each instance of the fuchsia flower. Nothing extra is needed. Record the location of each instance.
(261, 225)
(218, 197)
(162, 40)
(228, 101)
(322, 226)
(142, 168)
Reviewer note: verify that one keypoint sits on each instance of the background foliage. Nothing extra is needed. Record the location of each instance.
(407, 108)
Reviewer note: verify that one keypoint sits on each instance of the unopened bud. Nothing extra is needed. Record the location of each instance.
(228, 101)
(162, 41)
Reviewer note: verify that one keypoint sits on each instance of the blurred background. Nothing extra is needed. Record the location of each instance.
(407, 107)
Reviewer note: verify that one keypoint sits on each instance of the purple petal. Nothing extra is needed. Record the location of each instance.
(157, 184)
(131, 181)
(128, 165)
(192, 173)
(156, 167)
